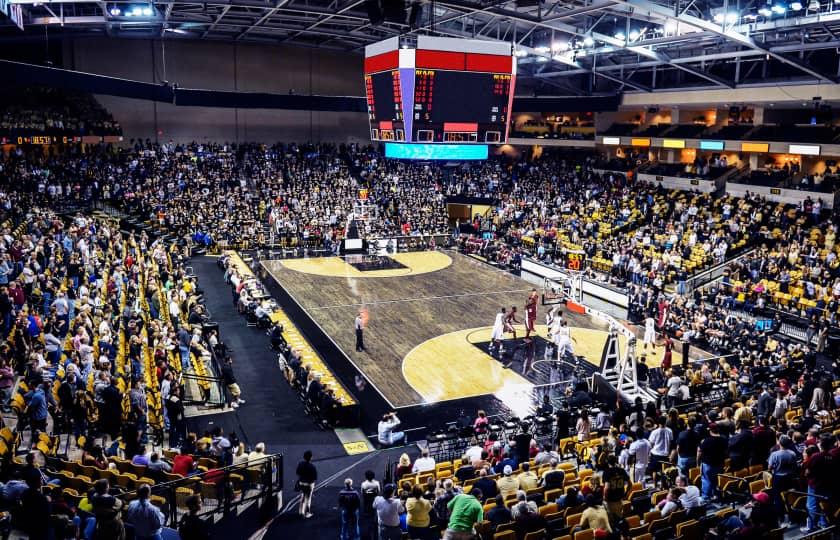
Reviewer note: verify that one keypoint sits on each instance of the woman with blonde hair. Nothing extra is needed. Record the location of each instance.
(403, 466)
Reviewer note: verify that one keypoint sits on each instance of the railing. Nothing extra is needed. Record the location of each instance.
(208, 391)
(220, 489)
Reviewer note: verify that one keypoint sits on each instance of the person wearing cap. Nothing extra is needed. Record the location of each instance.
(387, 509)
(820, 471)
(507, 484)
(465, 511)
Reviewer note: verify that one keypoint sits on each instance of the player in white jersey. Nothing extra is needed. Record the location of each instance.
(563, 339)
(498, 332)
(650, 332)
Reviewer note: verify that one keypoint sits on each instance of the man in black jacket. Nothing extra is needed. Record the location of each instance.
(349, 503)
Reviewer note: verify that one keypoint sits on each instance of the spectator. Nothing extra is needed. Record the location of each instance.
(146, 518)
(191, 526)
(349, 504)
(307, 475)
(464, 512)
(418, 520)
(387, 509)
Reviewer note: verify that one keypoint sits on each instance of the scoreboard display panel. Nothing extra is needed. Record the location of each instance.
(446, 90)
(385, 103)
(459, 106)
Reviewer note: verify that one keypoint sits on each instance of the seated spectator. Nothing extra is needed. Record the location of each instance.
(499, 514)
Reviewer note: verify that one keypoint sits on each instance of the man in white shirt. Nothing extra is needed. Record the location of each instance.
(424, 463)
(691, 498)
(639, 452)
(661, 440)
(386, 434)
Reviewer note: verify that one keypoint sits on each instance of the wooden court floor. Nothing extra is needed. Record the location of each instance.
(423, 322)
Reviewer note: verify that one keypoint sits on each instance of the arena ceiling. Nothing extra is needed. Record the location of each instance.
(578, 47)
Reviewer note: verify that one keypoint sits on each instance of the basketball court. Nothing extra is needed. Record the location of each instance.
(429, 325)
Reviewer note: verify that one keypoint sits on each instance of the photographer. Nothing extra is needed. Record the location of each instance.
(386, 434)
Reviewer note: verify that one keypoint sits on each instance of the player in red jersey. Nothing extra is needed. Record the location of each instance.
(510, 318)
(531, 312)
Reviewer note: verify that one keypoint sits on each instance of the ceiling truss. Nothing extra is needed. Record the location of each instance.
(599, 46)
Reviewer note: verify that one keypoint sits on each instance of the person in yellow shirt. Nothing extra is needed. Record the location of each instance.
(417, 510)
(507, 484)
(527, 479)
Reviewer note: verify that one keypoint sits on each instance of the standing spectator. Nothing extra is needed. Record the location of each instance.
(230, 381)
(36, 408)
(388, 514)
(639, 452)
(740, 447)
(617, 485)
(687, 443)
(146, 518)
(175, 411)
(783, 465)
(711, 455)
(418, 520)
(661, 440)
(307, 475)
(35, 510)
(821, 473)
(464, 512)
(348, 505)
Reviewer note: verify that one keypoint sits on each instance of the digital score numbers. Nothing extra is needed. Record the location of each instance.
(575, 261)
(38, 140)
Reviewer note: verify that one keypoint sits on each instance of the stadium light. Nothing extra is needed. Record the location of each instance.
(779, 9)
(542, 49)
(796, 6)
(115, 11)
(634, 35)
(765, 12)
(588, 41)
(559, 46)
(620, 36)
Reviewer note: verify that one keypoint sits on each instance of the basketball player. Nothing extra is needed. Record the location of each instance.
(531, 312)
(563, 338)
(509, 320)
(498, 333)
(650, 332)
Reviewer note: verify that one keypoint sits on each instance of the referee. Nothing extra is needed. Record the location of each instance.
(360, 333)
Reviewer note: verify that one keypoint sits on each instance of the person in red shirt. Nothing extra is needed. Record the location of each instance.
(531, 312)
(183, 464)
(820, 471)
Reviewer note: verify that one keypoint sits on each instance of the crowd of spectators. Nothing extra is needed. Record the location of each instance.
(48, 111)
(99, 326)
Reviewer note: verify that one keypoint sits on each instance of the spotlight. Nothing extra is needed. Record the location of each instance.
(779, 9)
(137, 11)
(814, 5)
(115, 11)
(796, 6)
(559, 46)
(542, 49)
(765, 12)
(619, 36)
(147, 12)
(634, 35)
(588, 41)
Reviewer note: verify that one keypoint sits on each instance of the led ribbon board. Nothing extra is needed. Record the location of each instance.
(436, 151)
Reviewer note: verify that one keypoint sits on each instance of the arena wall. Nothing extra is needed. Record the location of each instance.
(225, 66)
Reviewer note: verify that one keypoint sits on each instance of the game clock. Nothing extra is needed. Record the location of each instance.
(574, 260)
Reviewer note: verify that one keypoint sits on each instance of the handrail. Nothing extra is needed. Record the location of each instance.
(197, 477)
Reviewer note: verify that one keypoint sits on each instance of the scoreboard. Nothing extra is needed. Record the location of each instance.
(446, 90)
